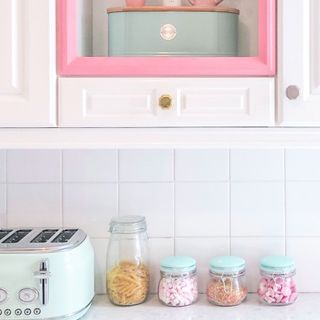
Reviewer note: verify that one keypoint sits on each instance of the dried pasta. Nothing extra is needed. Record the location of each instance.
(128, 283)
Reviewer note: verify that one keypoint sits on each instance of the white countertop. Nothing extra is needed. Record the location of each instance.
(307, 307)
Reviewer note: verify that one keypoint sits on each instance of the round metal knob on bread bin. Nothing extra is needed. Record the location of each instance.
(292, 92)
(165, 101)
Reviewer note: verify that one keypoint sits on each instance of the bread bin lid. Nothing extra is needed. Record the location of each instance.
(39, 239)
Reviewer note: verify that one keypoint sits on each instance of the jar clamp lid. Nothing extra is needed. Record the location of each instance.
(128, 224)
(227, 264)
(277, 264)
(178, 264)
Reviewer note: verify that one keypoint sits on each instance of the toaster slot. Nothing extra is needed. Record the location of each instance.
(4, 233)
(65, 235)
(17, 236)
(44, 235)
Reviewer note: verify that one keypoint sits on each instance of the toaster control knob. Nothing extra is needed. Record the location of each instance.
(28, 294)
(3, 295)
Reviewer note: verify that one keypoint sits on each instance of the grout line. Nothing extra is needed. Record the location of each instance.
(174, 202)
(6, 189)
(285, 200)
(62, 189)
(118, 181)
(229, 167)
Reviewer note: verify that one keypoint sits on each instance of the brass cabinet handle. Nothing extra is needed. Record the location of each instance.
(165, 101)
(292, 92)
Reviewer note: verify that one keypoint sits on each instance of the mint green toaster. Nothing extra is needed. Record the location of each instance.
(175, 31)
(45, 274)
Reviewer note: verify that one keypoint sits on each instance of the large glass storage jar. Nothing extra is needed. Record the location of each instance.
(178, 284)
(277, 285)
(127, 261)
(227, 284)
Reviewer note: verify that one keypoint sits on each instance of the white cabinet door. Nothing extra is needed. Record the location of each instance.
(27, 63)
(299, 62)
(203, 102)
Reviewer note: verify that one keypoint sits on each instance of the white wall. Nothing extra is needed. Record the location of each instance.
(247, 202)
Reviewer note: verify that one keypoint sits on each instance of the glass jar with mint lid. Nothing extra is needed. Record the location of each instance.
(277, 284)
(178, 284)
(227, 284)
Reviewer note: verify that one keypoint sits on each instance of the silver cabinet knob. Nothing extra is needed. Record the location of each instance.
(292, 92)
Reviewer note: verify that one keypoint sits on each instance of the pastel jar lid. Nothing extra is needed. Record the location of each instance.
(227, 264)
(178, 264)
(277, 264)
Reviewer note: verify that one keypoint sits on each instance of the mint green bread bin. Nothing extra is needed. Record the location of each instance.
(182, 31)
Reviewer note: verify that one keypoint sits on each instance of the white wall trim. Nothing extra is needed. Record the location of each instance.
(159, 138)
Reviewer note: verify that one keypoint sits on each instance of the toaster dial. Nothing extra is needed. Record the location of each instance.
(28, 295)
(3, 295)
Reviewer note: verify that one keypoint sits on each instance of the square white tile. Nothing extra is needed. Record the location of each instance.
(34, 205)
(252, 250)
(2, 166)
(257, 164)
(257, 209)
(302, 164)
(90, 166)
(202, 250)
(28, 166)
(158, 249)
(90, 206)
(3, 215)
(146, 165)
(303, 207)
(100, 256)
(202, 165)
(305, 253)
(155, 201)
(202, 209)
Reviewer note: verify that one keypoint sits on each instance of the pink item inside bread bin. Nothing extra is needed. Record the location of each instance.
(205, 3)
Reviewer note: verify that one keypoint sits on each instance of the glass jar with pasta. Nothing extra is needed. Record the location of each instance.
(127, 261)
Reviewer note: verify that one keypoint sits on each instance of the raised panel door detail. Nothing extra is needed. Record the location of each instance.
(300, 63)
(27, 63)
(85, 102)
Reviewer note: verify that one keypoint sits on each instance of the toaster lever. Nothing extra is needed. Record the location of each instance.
(43, 275)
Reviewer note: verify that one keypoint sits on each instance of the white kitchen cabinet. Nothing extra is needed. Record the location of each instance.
(196, 102)
(299, 63)
(27, 63)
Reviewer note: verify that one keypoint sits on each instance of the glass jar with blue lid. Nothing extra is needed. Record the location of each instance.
(277, 285)
(178, 285)
(227, 284)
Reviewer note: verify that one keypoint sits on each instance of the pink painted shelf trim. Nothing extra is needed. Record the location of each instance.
(70, 64)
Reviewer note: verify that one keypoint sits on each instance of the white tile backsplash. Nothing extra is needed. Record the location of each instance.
(145, 165)
(90, 206)
(34, 205)
(153, 200)
(257, 164)
(100, 257)
(305, 252)
(303, 209)
(268, 204)
(90, 166)
(32, 166)
(257, 209)
(303, 164)
(202, 165)
(3, 215)
(3, 173)
(202, 209)
(202, 250)
(252, 250)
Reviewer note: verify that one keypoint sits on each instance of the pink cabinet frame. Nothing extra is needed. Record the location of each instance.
(70, 64)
